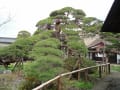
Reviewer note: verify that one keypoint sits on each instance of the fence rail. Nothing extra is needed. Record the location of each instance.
(102, 68)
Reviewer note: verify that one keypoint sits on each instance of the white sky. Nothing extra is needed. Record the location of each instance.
(26, 13)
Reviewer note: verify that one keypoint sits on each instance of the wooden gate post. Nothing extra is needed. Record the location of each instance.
(86, 75)
(100, 72)
(79, 71)
(107, 71)
(79, 75)
(109, 68)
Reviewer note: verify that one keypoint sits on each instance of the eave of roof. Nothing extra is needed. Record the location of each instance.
(112, 22)
(7, 40)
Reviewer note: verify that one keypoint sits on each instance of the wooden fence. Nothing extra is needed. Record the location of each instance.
(102, 68)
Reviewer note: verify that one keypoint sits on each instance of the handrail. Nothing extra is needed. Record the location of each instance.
(46, 83)
(69, 73)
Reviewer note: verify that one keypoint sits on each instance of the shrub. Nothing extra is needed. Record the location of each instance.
(42, 69)
(79, 46)
(69, 63)
(83, 85)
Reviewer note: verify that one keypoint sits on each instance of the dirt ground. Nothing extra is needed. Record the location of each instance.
(111, 82)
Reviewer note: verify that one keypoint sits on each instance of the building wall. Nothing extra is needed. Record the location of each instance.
(3, 44)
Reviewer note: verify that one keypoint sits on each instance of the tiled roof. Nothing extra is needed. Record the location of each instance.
(96, 42)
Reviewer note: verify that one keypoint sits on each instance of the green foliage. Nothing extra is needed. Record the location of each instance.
(2, 68)
(16, 51)
(76, 16)
(83, 85)
(45, 21)
(92, 24)
(77, 85)
(67, 9)
(55, 13)
(88, 20)
(47, 58)
(51, 42)
(46, 47)
(43, 33)
(23, 46)
(69, 63)
(70, 32)
(38, 32)
(113, 41)
(79, 12)
(71, 26)
(43, 51)
(115, 68)
(23, 34)
(8, 54)
(87, 63)
(29, 84)
(52, 67)
(79, 46)
(73, 38)
(60, 17)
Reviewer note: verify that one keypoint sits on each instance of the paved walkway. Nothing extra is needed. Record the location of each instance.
(111, 82)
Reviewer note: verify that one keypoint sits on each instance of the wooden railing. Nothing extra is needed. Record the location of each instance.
(102, 68)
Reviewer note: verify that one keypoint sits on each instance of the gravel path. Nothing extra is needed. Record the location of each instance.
(111, 82)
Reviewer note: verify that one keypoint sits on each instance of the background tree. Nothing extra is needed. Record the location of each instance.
(113, 41)
(23, 34)
(91, 26)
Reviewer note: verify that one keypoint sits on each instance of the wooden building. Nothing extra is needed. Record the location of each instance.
(97, 51)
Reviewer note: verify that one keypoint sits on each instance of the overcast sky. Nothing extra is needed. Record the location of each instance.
(26, 13)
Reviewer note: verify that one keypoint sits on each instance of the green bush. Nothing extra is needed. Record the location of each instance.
(115, 68)
(42, 69)
(87, 62)
(52, 67)
(51, 42)
(73, 38)
(83, 85)
(70, 32)
(69, 63)
(79, 46)
(43, 51)
(76, 85)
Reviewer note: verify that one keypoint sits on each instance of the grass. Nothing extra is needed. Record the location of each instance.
(82, 85)
(115, 67)
(9, 82)
(2, 68)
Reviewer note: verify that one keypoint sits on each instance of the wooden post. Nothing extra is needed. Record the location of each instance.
(106, 68)
(86, 75)
(59, 84)
(79, 71)
(100, 71)
(109, 68)
(78, 75)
